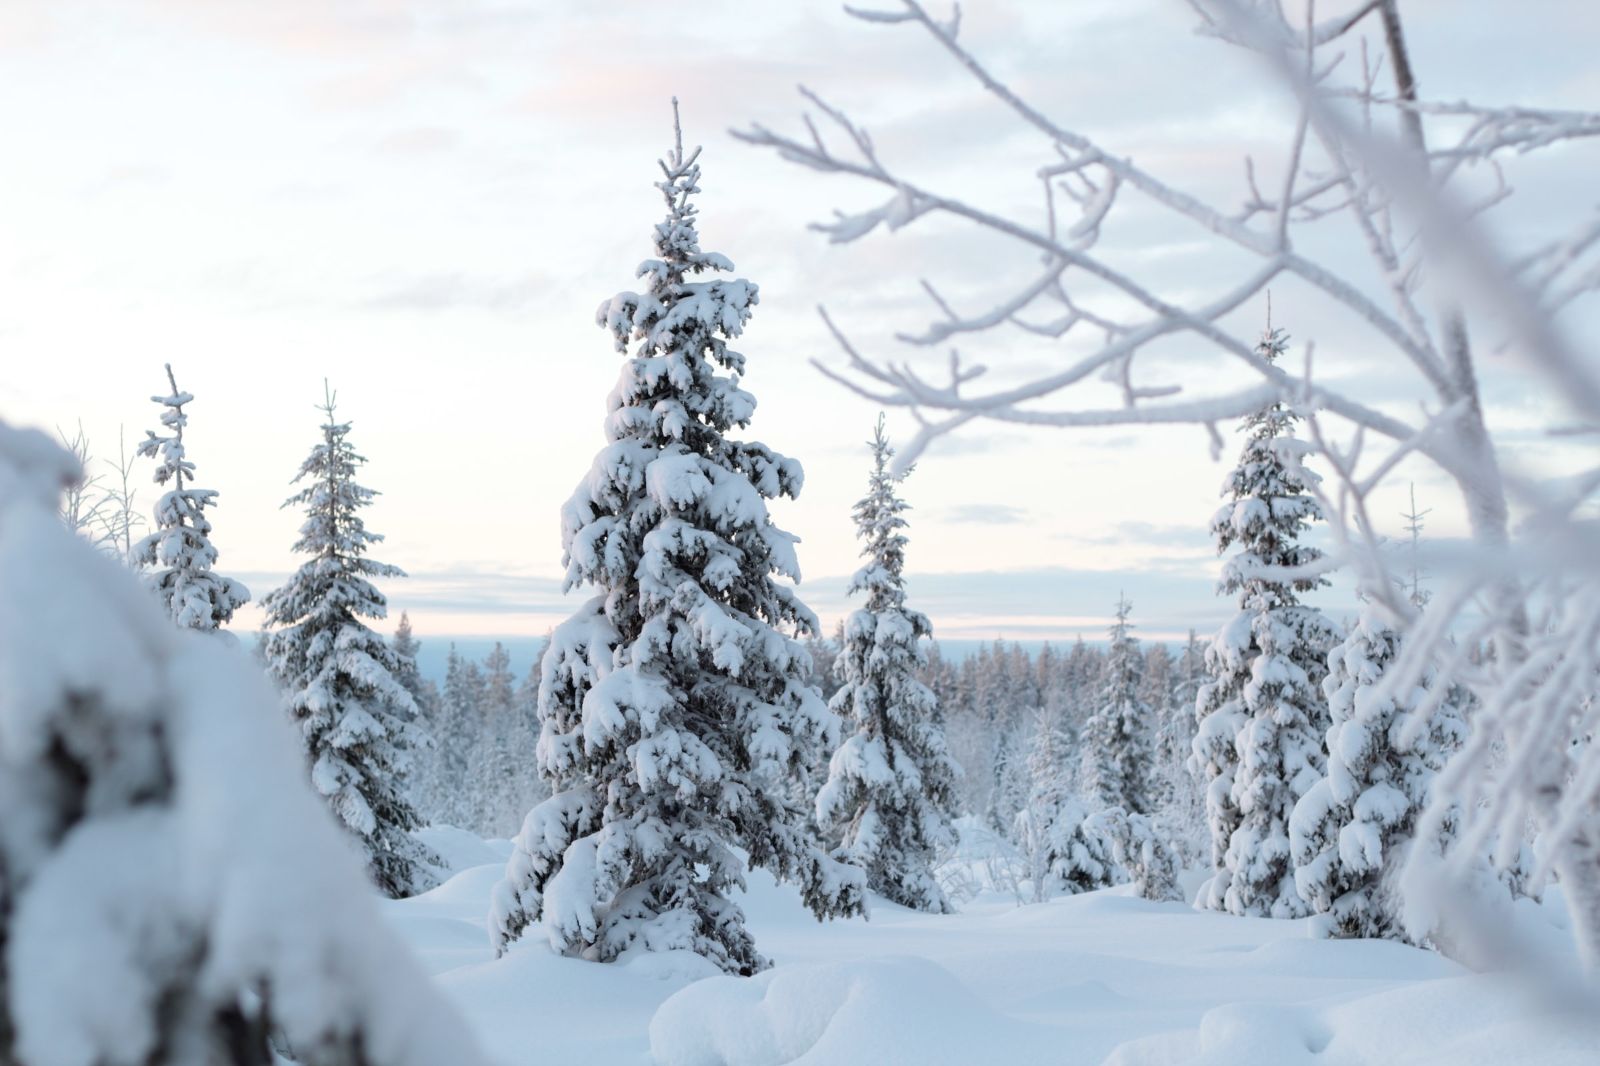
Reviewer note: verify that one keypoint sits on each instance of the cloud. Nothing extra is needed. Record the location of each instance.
(419, 141)
(466, 591)
(1048, 602)
(994, 514)
(131, 176)
(973, 443)
(1176, 535)
(453, 291)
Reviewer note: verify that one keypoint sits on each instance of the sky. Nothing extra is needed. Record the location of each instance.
(423, 202)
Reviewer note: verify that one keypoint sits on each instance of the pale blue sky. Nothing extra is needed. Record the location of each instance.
(425, 201)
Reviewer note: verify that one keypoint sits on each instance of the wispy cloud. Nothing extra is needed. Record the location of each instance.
(450, 291)
(994, 514)
(419, 141)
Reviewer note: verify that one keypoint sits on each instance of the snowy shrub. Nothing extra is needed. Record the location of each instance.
(1351, 832)
(1067, 849)
(673, 705)
(1142, 854)
(891, 791)
(171, 893)
(338, 677)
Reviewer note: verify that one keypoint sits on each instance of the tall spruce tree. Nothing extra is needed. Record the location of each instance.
(179, 555)
(890, 798)
(673, 704)
(1117, 742)
(339, 677)
(1351, 832)
(1261, 713)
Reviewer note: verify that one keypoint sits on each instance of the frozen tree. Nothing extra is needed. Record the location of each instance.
(1070, 853)
(890, 797)
(1401, 192)
(171, 893)
(1066, 850)
(425, 694)
(1157, 683)
(674, 704)
(1350, 832)
(178, 555)
(339, 678)
(500, 789)
(449, 778)
(1049, 792)
(1262, 716)
(85, 503)
(1143, 856)
(1117, 740)
(999, 698)
(1179, 795)
(405, 646)
(122, 515)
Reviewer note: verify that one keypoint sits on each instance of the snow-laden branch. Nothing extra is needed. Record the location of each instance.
(1357, 159)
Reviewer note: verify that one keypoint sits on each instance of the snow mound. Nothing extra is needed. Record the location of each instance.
(896, 1009)
(460, 850)
(1431, 1023)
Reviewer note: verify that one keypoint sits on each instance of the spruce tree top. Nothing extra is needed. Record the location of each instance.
(1269, 506)
(180, 549)
(332, 587)
(693, 500)
(879, 522)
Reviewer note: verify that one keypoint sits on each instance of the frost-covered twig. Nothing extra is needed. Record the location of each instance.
(1356, 157)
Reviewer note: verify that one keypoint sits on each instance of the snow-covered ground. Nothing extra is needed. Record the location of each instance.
(1080, 980)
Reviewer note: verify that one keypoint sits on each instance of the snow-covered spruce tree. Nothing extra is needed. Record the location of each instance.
(890, 798)
(171, 892)
(1117, 746)
(1179, 794)
(449, 781)
(179, 556)
(1004, 702)
(1074, 853)
(1065, 849)
(1261, 714)
(338, 677)
(502, 789)
(405, 646)
(673, 704)
(1141, 853)
(1351, 832)
(1049, 791)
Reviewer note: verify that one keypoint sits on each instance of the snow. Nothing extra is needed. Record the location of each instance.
(1099, 977)
(162, 858)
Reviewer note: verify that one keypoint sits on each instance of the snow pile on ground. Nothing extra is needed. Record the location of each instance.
(874, 1010)
(460, 849)
(1078, 981)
